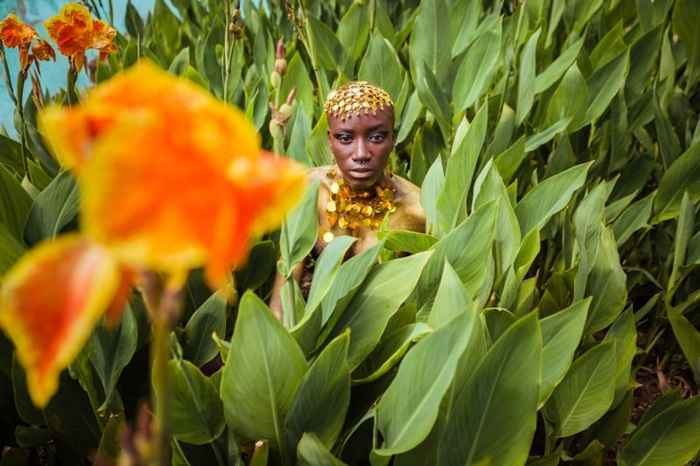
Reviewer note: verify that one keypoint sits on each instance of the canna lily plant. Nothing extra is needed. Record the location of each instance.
(171, 179)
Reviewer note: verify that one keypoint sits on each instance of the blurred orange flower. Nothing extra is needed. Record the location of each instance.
(14, 33)
(75, 31)
(43, 51)
(170, 179)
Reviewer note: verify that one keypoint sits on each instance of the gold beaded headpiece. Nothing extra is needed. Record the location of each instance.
(355, 98)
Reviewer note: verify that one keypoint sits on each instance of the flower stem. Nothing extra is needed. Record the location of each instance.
(21, 79)
(6, 73)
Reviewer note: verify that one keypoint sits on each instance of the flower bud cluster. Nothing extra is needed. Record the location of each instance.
(280, 66)
(281, 116)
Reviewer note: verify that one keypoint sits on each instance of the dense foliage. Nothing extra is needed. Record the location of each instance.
(550, 314)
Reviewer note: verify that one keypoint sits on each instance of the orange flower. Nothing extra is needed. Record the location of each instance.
(14, 33)
(42, 50)
(170, 179)
(49, 303)
(103, 38)
(72, 30)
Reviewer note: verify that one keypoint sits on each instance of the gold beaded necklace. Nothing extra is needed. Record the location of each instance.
(353, 210)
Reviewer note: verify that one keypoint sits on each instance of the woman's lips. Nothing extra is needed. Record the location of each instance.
(361, 173)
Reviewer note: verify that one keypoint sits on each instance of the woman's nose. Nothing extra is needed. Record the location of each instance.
(361, 154)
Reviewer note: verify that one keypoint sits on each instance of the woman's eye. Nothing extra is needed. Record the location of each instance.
(343, 138)
(377, 137)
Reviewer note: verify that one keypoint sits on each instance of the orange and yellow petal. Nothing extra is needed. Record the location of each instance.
(170, 177)
(42, 50)
(127, 279)
(49, 303)
(102, 35)
(14, 33)
(72, 30)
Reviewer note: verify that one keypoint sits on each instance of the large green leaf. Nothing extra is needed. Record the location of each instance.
(683, 175)
(11, 249)
(686, 16)
(299, 231)
(432, 187)
(451, 299)
(297, 78)
(586, 392)
(558, 67)
(323, 397)
(452, 202)
(526, 78)
(326, 269)
(326, 49)
(607, 284)
(561, 334)
(428, 39)
(353, 30)
(570, 99)
(633, 218)
(110, 350)
(262, 373)
(312, 452)
(671, 438)
(209, 318)
(196, 414)
(385, 289)
(382, 66)
(549, 197)
(604, 84)
(494, 422)
(53, 209)
(624, 334)
(688, 338)
(464, 249)
(408, 241)
(15, 204)
(477, 69)
(408, 409)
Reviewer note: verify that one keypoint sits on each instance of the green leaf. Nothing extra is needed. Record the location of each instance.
(15, 203)
(326, 270)
(408, 409)
(546, 135)
(671, 438)
(586, 392)
(389, 352)
(684, 230)
(489, 187)
(464, 249)
(468, 28)
(561, 334)
(510, 160)
(494, 422)
(297, 78)
(210, 317)
(262, 373)
(607, 284)
(317, 145)
(608, 47)
(428, 39)
(410, 115)
(326, 49)
(385, 289)
(688, 338)
(381, 66)
(556, 69)
(312, 452)
(526, 78)
(299, 231)
(634, 218)
(624, 334)
(323, 397)
(693, 257)
(196, 414)
(451, 300)
(435, 100)
(11, 249)
(433, 185)
(353, 30)
(452, 202)
(569, 100)
(686, 17)
(110, 350)
(53, 209)
(408, 241)
(477, 69)
(549, 197)
(683, 175)
(604, 84)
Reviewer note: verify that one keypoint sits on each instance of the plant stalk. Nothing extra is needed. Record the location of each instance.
(21, 79)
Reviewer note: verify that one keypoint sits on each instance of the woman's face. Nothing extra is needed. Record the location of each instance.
(361, 145)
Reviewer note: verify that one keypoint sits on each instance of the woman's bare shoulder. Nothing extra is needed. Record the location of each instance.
(408, 197)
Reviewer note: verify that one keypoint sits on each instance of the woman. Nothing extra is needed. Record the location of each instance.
(358, 191)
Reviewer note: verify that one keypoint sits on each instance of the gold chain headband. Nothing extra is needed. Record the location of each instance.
(355, 98)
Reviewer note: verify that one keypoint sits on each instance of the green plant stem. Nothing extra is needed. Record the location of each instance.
(72, 78)
(227, 46)
(161, 389)
(6, 73)
(21, 79)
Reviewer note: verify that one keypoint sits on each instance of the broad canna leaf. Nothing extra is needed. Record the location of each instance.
(688, 338)
(326, 269)
(586, 392)
(526, 78)
(299, 231)
(495, 421)
(561, 335)
(199, 347)
(668, 439)
(451, 299)
(624, 334)
(428, 39)
(549, 197)
(633, 218)
(50, 302)
(607, 284)
(353, 30)
(323, 397)
(15, 204)
(196, 413)
(409, 407)
(263, 360)
(381, 66)
(683, 175)
(384, 290)
(53, 209)
(558, 67)
(11, 249)
(312, 452)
